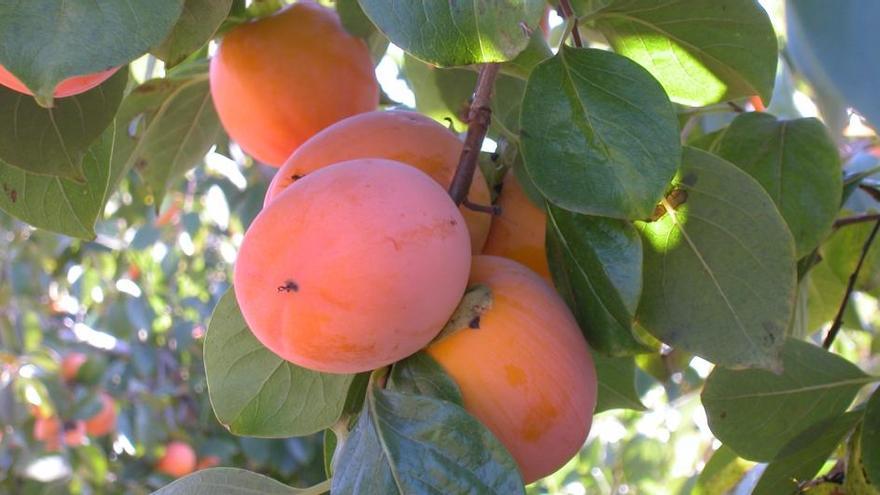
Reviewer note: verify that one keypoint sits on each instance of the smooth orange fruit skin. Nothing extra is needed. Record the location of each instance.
(406, 137)
(353, 267)
(526, 372)
(70, 365)
(68, 87)
(179, 460)
(279, 80)
(104, 422)
(518, 232)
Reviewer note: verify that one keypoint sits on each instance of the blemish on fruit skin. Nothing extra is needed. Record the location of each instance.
(288, 286)
(514, 375)
(539, 419)
(475, 323)
(12, 193)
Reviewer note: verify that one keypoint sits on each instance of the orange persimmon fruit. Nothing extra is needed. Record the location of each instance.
(526, 371)
(518, 232)
(178, 460)
(70, 365)
(277, 81)
(402, 136)
(353, 267)
(104, 421)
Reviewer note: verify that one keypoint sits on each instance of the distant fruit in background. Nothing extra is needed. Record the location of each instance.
(74, 433)
(48, 431)
(524, 368)
(518, 232)
(70, 365)
(178, 460)
(104, 422)
(207, 462)
(402, 136)
(68, 87)
(355, 266)
(279, 80)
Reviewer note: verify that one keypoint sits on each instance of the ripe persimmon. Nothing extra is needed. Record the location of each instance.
(104, 421)
(178, 460)
(279, 80)
(518, 232)
(402, 136)
(355, 266)
(70, 365)
(68, 87)
(74, 433)
(48, 431)
(526, 370)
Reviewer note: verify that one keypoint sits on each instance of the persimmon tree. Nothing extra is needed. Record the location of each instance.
(646, 166)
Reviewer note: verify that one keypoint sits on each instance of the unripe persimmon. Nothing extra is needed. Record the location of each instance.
(518, 232)
(277, 81)
(526, 371)
(355, 266)
(68, 87)
(402, 136)
(70, 365)
(178, 460)
(104, 422)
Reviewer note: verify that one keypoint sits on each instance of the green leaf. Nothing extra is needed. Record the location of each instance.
(856, 479)
(46, 41)
(617, 383)
(756, 412)
(256, 393)
(702, 51)
(596, 265)
(722, 472)
(420, 374)
(395, 448)
(599, 135)
(228, 481)
(52, 141)
(720, 268)
(804, 455)
(535, 52)
(824, 293)
(457, 33)
(842, 252)
(833, 43)
(63, 205)
(797, 163)
(174, 131)
(358, 24)
(870, 437)
(197, 24)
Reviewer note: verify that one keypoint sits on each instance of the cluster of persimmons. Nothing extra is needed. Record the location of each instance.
(360, 257)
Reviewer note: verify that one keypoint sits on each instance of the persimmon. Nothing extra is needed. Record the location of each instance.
(48, 431)
(104, 421)
(68, 87)
(178, 460)
(518, 232)
(207, 462)
(74, 433)
(70, 365)
(279, 80)
(353, 267)
(402, 136)
(525, 371)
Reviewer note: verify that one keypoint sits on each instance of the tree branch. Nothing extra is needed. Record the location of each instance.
(838, 320)
(568, 13)
(479, 117)
(841, 222)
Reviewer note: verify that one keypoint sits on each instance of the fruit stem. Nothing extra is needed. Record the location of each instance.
(838, 320)
(568, 13)
(479, 117)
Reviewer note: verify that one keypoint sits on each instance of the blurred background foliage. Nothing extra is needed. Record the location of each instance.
(136, 302)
